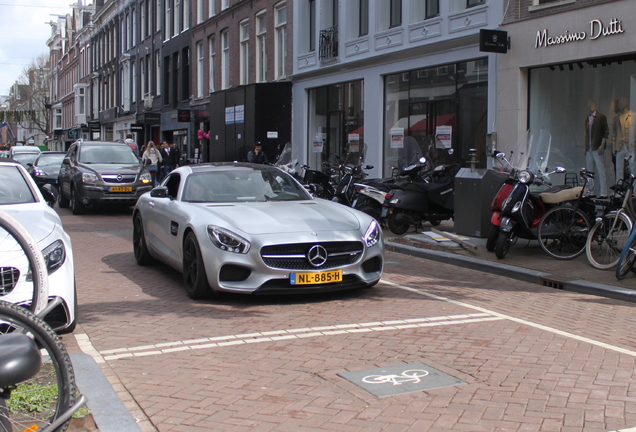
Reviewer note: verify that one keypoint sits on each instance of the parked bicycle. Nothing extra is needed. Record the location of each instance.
(35, 393)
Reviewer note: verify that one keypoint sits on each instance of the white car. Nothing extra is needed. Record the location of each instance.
(20, 197)
(250, 228)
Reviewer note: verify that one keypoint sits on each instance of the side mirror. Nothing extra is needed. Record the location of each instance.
(559, 170)
(159, 192)
(368, 167)
(29, 164)
(49, 192)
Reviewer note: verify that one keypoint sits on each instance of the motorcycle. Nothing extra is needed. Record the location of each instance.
(351, 170)
(426, 197)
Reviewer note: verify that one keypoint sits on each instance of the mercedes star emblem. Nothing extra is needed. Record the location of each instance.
(317, 255)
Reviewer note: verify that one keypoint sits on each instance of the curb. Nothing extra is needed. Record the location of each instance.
(518, 273)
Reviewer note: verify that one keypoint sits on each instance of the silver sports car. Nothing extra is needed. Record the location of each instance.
(254, 229)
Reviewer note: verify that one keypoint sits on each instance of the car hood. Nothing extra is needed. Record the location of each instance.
(39, 221)
(113, 168)
(50, 171)
(286, 217)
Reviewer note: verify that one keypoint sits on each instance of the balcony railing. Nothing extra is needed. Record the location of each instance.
(329, 43)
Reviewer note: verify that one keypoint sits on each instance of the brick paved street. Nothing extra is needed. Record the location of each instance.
(531, 358)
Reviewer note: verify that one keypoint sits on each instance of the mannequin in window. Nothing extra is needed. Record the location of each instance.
(623, 136)
(596, 134)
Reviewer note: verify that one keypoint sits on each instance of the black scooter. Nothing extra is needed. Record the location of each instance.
(425, 197)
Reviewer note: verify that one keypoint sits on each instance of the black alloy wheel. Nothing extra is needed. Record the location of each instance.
(140, 248)
(194, 276)
(76, 205)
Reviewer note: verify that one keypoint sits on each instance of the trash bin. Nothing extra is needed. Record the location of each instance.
(474, 192)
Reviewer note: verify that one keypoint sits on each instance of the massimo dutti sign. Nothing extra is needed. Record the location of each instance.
(597, 30)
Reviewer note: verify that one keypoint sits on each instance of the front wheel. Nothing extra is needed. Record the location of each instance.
(62, 201)
(194, 276)
(491, 242)
(397, 227)
(627, 258)
(563, 232)
(503, 244)
(607, 240)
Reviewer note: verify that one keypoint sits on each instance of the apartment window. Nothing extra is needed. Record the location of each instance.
(133, 30)
(200, 69)
(312, 25)
(245, 51)
(185, 74)
(80, 100)
(134, 82)
(178, 17)
(186, 14)
(211, 8)
(212, 68)
(58, 118)
(144, 23)
(157, 72)
(477, 2)
(174, 97)
(199, 17)
(225, 4)
(225, 59)
(261, 54)
(166, 80)
(158, 15)
(432, 8)
(363, 18)
(142, 67)
(127, 32)
(168, 19)
(147, 66)
(395, 13)
(281, 41)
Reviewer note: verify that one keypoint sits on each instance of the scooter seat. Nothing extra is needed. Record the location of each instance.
(561, 196)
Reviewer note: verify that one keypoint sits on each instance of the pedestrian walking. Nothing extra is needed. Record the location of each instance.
(151, 160)
(133, 145)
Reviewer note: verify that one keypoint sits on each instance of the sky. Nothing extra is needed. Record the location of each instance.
(24, 30)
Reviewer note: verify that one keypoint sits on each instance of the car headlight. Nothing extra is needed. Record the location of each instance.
(54, 256)
(525, 177)
(89, 177)
(145, 177)
(38, 172)
(228, 241)
(372, 236)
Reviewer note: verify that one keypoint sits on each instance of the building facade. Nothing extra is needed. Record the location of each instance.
(399, 78)
(568, 59)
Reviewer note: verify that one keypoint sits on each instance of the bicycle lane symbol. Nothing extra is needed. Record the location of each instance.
(407, 376)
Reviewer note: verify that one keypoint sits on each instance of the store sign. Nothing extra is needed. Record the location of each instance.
(597, 30)
(493, 41)
(183, 116)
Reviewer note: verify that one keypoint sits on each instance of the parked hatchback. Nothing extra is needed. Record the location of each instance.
(101, 173)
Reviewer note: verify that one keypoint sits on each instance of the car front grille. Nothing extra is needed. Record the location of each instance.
(293, 256)
(8, 279)
(117, 178)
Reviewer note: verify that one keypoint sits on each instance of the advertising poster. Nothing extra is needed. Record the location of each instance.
(397, 137)
(229, 115)
(317, 145)
(239, 114)
(354, 143)
(443, 135)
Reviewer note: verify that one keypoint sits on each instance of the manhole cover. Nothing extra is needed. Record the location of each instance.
(393, 380)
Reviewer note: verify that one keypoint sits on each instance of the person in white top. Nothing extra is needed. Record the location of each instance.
(151, 160)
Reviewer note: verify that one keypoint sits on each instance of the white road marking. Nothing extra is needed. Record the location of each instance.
(518, 320)
(277, 335)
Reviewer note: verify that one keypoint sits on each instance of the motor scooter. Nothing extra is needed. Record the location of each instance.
(427, 198)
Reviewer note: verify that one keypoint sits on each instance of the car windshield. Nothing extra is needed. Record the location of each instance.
(53, 160)
(241, 185)
(25, 158)
(13, 186)
(107, 154)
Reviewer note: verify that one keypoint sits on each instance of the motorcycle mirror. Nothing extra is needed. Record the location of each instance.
(559, 170)
(499, 155)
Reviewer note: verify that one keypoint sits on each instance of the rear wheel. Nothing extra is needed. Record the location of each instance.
(563, 232)
(492, 238)
(194, 276)
(395, 226)
(62, 201)
(607, 239)
(503, 244)
(627, 258)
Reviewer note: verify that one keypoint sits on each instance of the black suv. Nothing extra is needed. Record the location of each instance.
(101, 172)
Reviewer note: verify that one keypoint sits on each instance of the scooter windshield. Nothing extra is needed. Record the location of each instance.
(356, 154)
(538, 151)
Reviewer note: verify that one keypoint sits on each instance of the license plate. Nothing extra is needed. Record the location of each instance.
(120, 189)
(385, 211)
(316, 278)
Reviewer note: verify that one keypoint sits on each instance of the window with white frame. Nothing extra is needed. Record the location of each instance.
(58, 116)
(280, 23)
(225, 4)
(178, 17)
(225, 59)
(133, 31)
(133, 96)
(311, 28)
(142, 70)
(144, 23)
(211, 66)
(186, 14)
(395, 13)
(211, 8)
(199, 17)
(261, 53)
(244, 32)
(200, 69)
(168, 19)
(363, 18)
(158, 72)
(158, 16)
(80, 101)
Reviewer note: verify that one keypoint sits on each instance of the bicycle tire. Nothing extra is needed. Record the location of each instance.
(627, 258)
(14, 236)
(56, 372)
(563, 232)
(607, 239)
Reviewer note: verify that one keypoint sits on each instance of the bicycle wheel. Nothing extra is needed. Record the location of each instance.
(36, 403)
(563, 232)
(627, 258)
(607, 239)
(23, 275)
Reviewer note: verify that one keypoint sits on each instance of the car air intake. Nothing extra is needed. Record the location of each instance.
(234, 273)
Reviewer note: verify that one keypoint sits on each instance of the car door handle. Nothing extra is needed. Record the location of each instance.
(151, 203)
